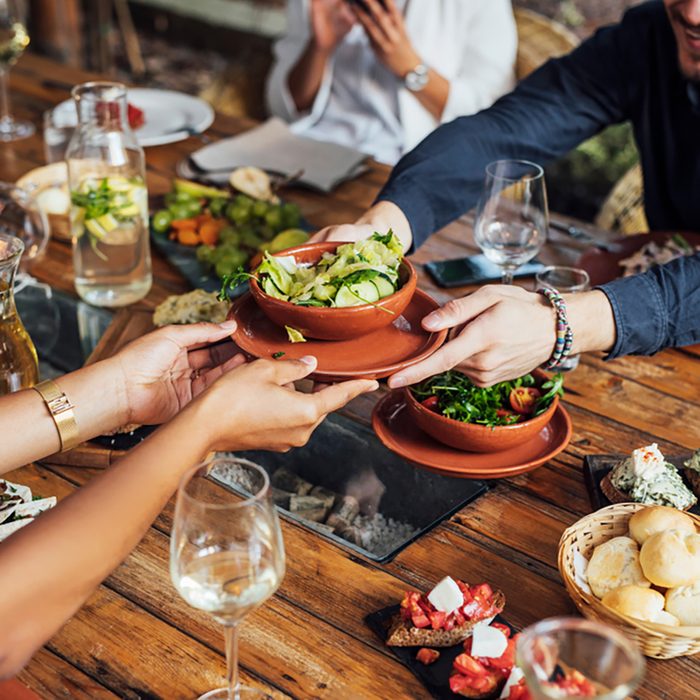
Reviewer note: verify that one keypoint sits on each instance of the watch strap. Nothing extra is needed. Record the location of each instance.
(61, 410)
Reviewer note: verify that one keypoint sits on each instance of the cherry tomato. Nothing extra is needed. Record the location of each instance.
(523, 399)
(437, 619)
(427, 656)
(431, 403)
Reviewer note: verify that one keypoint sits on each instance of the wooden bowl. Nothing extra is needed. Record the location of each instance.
(327, 323)
(654, 640)
(471, 437)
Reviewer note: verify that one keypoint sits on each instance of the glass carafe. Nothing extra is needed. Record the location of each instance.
(109, 201)
(18, 361)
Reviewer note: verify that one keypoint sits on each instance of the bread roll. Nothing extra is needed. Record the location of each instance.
(635, 601)
(666, 618)
(615, 563)
(671, 558)
(649, 521)
(684, 603)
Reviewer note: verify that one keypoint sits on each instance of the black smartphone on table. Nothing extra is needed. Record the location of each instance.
(475, 269)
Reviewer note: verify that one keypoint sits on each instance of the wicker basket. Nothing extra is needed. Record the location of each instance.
(623, 209)
(539, 39)
(657, 641)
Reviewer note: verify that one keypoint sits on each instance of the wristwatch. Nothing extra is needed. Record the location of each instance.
(417, 78)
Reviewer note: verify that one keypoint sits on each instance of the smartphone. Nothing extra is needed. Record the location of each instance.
(363, 5)
(476, 269)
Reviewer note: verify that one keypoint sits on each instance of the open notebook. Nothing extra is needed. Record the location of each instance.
(272, 146)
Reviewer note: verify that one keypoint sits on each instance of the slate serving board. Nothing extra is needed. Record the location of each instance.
(595, 467)
(436, 676)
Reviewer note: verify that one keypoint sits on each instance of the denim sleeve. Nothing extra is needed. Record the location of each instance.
(657, 309)
(550, 112)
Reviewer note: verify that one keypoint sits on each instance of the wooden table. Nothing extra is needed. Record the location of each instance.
(135, 638)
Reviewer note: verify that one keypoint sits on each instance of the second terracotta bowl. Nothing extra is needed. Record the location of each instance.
(471, 437)
(327, 323)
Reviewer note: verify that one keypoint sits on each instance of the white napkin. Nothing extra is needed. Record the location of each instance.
(273, 147)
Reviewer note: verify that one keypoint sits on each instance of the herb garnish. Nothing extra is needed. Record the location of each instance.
(459, 399)
(278, 354)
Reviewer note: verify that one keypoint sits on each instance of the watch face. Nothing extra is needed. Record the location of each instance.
(417, 79)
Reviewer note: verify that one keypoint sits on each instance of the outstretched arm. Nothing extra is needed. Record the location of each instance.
(51, 566)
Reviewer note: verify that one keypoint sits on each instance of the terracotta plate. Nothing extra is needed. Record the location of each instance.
(603, 266)
(372, 356)
(394, 427)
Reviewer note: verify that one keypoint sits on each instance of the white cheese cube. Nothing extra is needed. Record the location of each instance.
(488, 642)
(446, 596)
(515, 675)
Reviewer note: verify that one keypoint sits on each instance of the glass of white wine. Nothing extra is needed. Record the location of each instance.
(512, 216)
(13, 41)
(226, 553)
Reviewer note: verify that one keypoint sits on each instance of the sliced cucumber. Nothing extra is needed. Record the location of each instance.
(270, 288)
(367, 291)
(345, 297)
(384, 286)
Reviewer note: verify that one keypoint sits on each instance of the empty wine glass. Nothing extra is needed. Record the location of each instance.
(13, 41)
(226, 553)
(562, 648)
(21, 216)
(512, 217)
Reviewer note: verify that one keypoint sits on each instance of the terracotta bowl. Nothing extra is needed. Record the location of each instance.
(471, 437)
(330, 323)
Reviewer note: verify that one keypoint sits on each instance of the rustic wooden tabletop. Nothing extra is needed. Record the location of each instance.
(136, 638)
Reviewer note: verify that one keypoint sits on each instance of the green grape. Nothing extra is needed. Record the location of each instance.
(194, 208)
(229, 235)
(217, 206)
(243, 200)
(273, 218)
(291, 216)
(250, 238)
(265, 232)
(238, 214)
(179, 211)
(160, 221)
(230, 262)
(206, 253)
(260, 208)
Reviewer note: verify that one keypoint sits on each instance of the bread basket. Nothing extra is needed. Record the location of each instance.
(654, 640)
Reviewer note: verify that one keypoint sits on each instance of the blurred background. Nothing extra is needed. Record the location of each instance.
(221, 51)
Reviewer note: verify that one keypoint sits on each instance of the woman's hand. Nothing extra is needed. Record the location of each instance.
(257, 407)
(161, 372)
(331, 20)
(501, 332)
(387, 34)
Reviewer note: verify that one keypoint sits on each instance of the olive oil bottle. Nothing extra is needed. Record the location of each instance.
(18, 360)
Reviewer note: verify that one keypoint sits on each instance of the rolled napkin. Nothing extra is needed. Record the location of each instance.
(18, 508)
(272, 146)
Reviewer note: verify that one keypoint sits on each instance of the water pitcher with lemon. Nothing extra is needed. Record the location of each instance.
(109, 201)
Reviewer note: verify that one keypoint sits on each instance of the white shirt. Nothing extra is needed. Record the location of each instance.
(361, 104)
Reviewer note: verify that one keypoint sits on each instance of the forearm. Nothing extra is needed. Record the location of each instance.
(434, 95)
(592, 321)
(657, 309)
(28, 430)
(383, 216)
(306, 76)
(48, 569)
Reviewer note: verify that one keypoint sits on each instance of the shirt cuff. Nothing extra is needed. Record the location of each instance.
(639, 314)
(415, 203)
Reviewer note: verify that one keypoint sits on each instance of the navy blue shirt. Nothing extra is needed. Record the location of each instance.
(627, 71)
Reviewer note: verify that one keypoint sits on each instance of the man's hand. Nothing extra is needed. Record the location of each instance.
(501, 332)
(388, 37)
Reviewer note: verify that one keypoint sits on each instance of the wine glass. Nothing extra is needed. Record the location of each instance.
(21, 216)
(226, 552)
(13, 40)
(559, 646)
(512, 217)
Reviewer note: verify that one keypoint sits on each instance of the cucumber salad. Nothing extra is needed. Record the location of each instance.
(357, 273)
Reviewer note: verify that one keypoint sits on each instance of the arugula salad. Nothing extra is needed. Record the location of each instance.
(356, 273)
(453, 395)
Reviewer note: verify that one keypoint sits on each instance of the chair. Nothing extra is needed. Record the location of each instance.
(539, 39)
(623, 209)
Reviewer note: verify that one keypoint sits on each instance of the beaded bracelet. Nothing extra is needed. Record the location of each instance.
(565, 336)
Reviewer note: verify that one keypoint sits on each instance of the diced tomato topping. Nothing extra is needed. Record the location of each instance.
(437, 619)
(431, 403)
(483, 684)
(483, 590)
(427, 656)
(506, 661)
(519, 692)
(524, 398)
(420, 620)
(458, 682)
(504, 628)
(469, 665)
